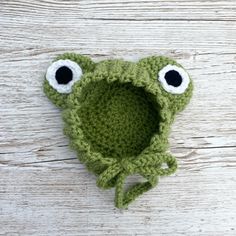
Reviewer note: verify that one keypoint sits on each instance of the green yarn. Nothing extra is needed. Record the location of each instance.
(118, 118)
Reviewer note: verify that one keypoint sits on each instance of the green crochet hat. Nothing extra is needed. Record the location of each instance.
(118, 115)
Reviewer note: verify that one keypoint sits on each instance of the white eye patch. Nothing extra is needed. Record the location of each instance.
(62, 74)
(174, 79)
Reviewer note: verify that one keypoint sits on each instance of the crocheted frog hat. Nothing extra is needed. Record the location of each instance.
(118, 114)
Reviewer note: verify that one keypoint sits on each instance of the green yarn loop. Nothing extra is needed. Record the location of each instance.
(150, 167)
(118, 115)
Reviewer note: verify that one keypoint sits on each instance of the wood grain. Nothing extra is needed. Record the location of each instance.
(44, 190)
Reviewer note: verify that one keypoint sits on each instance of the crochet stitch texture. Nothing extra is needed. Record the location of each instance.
(118, 117)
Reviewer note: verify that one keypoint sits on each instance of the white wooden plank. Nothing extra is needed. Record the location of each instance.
(204, 10)
(112, 37)
(53, 200)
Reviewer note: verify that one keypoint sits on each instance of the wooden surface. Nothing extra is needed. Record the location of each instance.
(44, 190)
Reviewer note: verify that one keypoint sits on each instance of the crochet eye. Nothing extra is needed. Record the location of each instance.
(62, 74)
(174, 79)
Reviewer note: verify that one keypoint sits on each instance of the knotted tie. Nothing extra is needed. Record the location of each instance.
(150, 166)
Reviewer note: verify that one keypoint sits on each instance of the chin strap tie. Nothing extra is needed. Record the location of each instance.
(150, 166)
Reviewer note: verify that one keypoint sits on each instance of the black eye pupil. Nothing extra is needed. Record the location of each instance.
(64, 75)
(173, 78)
